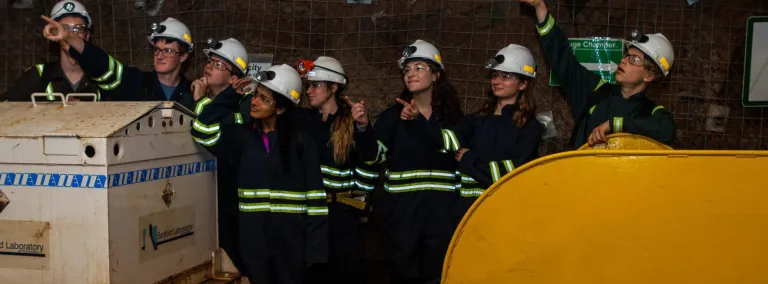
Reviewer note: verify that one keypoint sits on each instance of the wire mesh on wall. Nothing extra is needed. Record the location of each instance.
(708, 37)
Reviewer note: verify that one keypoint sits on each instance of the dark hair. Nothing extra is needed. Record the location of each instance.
(526, 104)
(285, 127)
(343, 127)
(445, 99)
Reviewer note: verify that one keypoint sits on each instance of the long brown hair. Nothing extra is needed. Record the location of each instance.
(444, 95)
(525, 103)
(342, 128)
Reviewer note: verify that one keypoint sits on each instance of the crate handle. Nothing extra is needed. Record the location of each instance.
(60, 95)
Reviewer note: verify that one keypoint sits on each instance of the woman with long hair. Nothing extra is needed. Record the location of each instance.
(339, 126)
(421, 176)
(506, 133)
(283, 211)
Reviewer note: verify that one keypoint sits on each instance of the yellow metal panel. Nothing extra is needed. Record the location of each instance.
(619, 216)
(625, 141)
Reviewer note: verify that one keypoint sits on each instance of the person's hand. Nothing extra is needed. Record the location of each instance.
(533, 3)
(54, 31)
(410, 111)
(460, 154)
(598, 134)
(359, 111)
(241, 86)
(199, 88)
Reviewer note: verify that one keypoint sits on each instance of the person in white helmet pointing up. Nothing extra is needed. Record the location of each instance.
(599, 108)
(63, 75)
(172, 46)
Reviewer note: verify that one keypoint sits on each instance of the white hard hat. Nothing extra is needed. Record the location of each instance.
(657, 47)
(423, 50)
(282, 79)
(173, 29)
(231, 50)
(514, 59)
(70, 8)
(323, 69)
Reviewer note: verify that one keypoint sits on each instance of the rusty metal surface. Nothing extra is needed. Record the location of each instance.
(83, 119)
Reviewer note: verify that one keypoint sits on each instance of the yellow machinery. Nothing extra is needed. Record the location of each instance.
(648, 215)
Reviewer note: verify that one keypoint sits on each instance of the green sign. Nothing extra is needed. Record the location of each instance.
(599, 55)
(755, 92)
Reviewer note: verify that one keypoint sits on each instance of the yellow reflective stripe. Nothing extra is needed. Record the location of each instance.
(207, 129)
(238, 118)
(508, 165)
(338, 185)
(317, 210)
(118, 78)
(420, 174)
(280, 194)
(109, 72)
(49, 89)
(450, 142)
(494, 171)
(98, 95)
(40, 68)
(467, 179)
(366, 174)
(548, 27)
(471, 192)
(316, 194)
(381, 155)
(335, 172)
(363, 185)
(201, 104)
(592, 109)
(618, 124)
(209, 141)
(656, 108)
(420, 186)
(283, 208)
(252, 193)
(599, 84)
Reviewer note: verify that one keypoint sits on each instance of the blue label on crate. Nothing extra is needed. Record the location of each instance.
(74, 180)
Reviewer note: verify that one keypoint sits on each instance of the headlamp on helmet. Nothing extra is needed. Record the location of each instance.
(158, 28)
(408, 51)
(638, 36)
(304, 66)
(495, 61)
(214, 44)
(265, 76)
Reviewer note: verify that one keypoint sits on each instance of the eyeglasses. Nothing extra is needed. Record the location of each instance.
(75, 28)
(263, 99)
(167, 52)
(504, 75)
(418, 68)
(218, 65)
(634, 59)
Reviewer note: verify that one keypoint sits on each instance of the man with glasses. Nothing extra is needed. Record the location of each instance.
(599, 108)
(64, 75)
(172, 45)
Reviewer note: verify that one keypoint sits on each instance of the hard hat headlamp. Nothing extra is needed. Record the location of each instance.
(638, 36)
(265, 76)
(304, 66)
(214, 44)
(157, 28)
(495, 61)
(408, 51)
